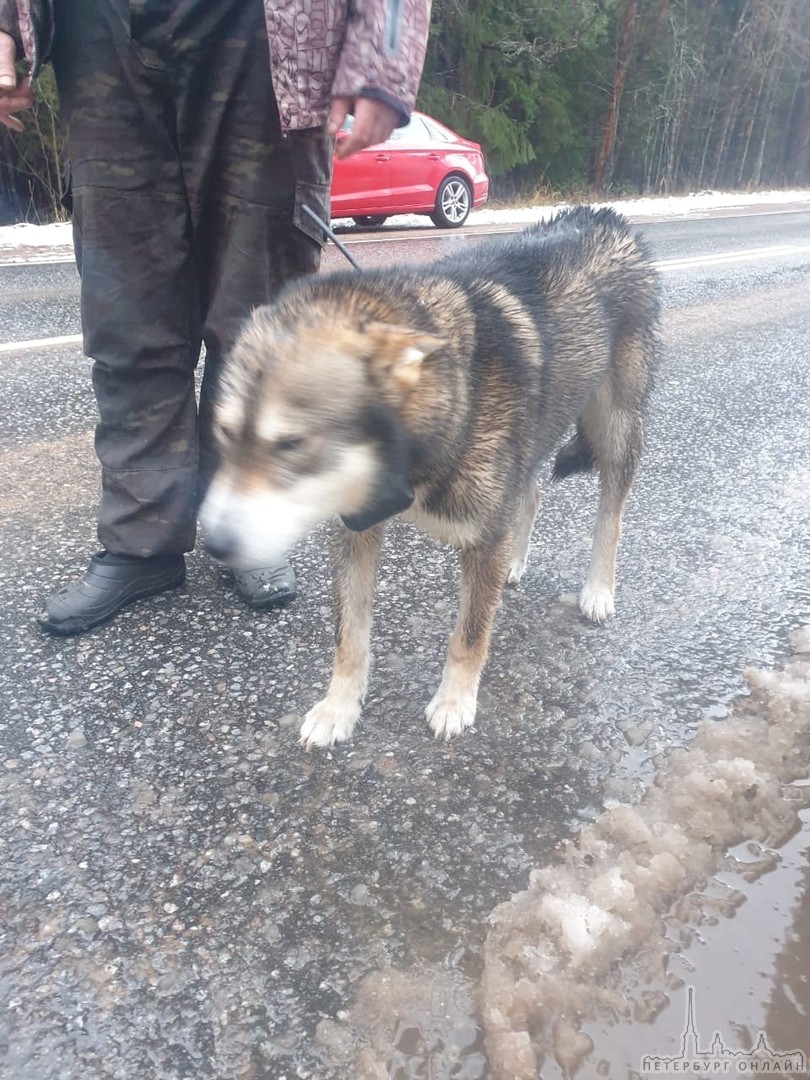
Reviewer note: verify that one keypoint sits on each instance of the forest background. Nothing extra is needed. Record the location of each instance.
(574, 97)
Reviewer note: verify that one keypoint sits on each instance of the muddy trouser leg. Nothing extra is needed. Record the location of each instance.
(185, 201)
(140, 315)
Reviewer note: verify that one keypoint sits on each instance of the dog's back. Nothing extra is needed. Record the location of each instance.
(537, 322)
(589, 287)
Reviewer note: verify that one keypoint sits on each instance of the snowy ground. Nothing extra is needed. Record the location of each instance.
(59, 235)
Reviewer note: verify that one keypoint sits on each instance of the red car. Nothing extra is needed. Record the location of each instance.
(424, 168)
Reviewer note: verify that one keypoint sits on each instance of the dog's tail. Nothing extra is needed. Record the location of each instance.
(574, 457)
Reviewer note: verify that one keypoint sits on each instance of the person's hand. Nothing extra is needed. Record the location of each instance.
(15, 94)
(373, 123)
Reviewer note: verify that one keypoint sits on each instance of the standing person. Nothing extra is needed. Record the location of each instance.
(196, 132)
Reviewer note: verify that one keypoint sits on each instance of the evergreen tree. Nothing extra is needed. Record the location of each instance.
(519, 78)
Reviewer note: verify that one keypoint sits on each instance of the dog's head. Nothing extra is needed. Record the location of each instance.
(309, 423)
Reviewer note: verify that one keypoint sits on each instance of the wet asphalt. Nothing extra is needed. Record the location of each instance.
(187, 894)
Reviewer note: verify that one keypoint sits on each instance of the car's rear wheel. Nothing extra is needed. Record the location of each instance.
(453, 203)
(370, 221)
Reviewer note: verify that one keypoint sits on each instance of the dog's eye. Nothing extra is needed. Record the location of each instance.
(288, 445)
(226, 433)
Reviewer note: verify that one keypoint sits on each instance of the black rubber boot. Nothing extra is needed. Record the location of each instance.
(267, 586)
(109, 584)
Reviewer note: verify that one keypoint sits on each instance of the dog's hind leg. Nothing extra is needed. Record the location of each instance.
(482, 574)
(613, 426)
(522, 534)
(355, 557)
(596, 599)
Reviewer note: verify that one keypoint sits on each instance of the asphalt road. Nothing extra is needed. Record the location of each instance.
(186, 894)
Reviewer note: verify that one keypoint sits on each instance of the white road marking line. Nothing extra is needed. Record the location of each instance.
(691, 262)
(744, 255)
(41, 343)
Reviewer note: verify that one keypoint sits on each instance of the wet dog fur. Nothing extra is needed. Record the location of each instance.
(436, 392)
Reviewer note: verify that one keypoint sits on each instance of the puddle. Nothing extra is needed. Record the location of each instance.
(742, 955)
(696, 893)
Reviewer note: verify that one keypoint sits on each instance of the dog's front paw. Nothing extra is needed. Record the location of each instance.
(448, 715)
(596, 602)
(517, 568)
(327, 723)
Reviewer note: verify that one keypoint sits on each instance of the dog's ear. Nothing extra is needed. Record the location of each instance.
(398, 351)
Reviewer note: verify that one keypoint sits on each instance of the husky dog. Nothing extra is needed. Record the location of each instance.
(435, 393)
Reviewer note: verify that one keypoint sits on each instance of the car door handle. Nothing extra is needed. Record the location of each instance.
(382, 157)
(433, 157)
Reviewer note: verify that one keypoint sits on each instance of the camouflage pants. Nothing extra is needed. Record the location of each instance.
(187, 213)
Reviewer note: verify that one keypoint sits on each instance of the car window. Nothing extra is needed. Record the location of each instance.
(415, 131)
(440, 134)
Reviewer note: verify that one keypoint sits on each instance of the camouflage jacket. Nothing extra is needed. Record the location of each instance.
(319, 49)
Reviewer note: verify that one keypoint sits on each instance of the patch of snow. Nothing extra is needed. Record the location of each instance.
(665, 206)
(694, 205)
(59, 235)
(607, 898)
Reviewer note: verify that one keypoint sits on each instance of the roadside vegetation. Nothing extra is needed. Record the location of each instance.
(606, 97)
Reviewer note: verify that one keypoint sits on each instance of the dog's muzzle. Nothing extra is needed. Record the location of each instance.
(220, 535)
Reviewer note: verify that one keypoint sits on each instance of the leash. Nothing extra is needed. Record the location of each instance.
(328, 232)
